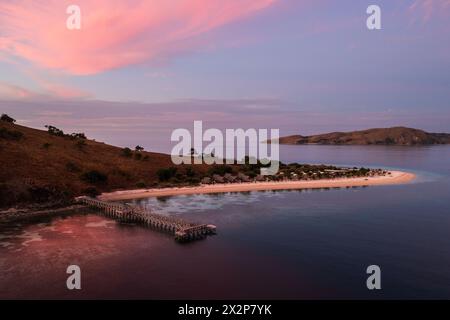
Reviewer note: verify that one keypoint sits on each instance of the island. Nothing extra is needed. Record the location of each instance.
(48, 169)
(378, 136)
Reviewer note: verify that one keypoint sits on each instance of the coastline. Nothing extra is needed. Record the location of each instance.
(11, 215)
(396, 177)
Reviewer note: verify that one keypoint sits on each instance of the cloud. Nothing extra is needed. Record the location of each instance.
(9, 91)
(50, 92)
(424, 10)
(65, 92)
(114, 33)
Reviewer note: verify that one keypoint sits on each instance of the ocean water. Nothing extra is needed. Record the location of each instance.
(281, 245)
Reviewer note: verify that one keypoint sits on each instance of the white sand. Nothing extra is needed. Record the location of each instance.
(396, 177)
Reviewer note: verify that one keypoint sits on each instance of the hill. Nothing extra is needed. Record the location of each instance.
(39, 166)
(379, 136)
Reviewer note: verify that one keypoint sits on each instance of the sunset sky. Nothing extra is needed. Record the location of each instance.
(139, 68)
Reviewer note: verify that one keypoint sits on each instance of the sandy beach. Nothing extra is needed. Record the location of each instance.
(396, 177)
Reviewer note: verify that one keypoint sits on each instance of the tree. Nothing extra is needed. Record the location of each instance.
(190, 172)
(54, 131)
(7, 118)
(166, 174)
(94, 177)
(138, 148)
(80, 135)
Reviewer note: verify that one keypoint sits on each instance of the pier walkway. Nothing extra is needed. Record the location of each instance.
(182, 230)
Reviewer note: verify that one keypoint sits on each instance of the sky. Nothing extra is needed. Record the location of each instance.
(137, 69)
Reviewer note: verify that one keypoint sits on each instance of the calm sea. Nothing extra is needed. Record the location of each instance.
(285, 244)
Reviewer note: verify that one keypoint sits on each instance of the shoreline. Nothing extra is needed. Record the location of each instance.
(396, 177)
(13, 215)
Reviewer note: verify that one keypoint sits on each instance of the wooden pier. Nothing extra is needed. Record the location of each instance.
(182, 230)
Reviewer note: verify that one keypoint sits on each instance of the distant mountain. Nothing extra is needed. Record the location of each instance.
(380, 136)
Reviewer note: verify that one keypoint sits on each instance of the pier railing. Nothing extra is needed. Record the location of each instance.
(181, 229)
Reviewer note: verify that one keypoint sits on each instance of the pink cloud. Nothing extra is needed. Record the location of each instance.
(50, 92)
(10, 91)
(65, 92)
(115, 33)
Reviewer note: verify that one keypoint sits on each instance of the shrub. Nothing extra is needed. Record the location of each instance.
(121, 173)
(138, 156)
(54, 131)
(141, 185)
(194, 181)
(10, 134)
(91, 192)
(78, 136)
(166, 174)
(80, 144)
(94, 177)
(7, 118)
(190, 172)
(126, 152)
(46, 145)
(139, 148)
(220, 170)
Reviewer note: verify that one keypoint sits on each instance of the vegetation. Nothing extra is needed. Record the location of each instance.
(10, 134)
(220, 169)
(94, 177)
(33, 174)
(54, 131)
(141, 185)
(80, 144)
(64, 172)
(80, 135)
(91, 192)
(6, 118)
(381, 136)
(166, 174)
(126, 152)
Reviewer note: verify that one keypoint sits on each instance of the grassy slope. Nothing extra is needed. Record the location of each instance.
(27, 163)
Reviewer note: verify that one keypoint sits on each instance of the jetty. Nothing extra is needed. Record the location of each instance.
(182, 230)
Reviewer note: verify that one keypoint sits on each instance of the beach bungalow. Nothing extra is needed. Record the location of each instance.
(206, 180)
(260, 178)
(218, 179)
(228, 177)
(243, 178)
